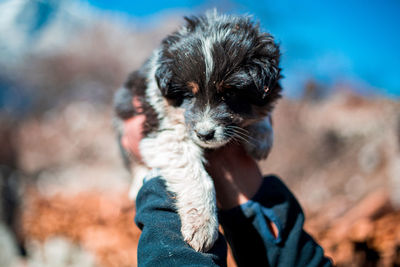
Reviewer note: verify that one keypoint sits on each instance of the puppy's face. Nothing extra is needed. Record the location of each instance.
(223, 72)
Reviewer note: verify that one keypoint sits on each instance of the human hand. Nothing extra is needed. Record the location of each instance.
(237, 178)
(132, 133)
(236, 175)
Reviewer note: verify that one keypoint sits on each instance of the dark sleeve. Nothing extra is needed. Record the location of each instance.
(252, 243)
(161, 242)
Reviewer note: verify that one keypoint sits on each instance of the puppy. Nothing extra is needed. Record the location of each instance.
(213, 81)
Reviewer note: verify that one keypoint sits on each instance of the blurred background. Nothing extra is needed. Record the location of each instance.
(62, 182)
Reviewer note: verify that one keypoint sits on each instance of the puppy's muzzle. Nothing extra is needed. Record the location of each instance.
(205, 135)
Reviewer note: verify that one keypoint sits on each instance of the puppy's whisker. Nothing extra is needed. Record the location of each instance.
(232, 137)
(247, 136)
(244, 135)
(236, 135)
(249, 139)
(237, 127)
(242, 131)
(235, 141)
(244, 139)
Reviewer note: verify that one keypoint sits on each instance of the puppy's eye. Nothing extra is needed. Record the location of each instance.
(228, 95)
(177, 98)
(175, 101)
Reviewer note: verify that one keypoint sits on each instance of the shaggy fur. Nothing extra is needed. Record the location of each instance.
(213, 81)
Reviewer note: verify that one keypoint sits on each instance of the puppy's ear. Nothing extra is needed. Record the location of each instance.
(266, 80)
(134, 86)
(264, 70)
(163, 77)
(122, 103)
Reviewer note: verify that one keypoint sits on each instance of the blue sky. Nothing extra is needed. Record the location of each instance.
(334, 42)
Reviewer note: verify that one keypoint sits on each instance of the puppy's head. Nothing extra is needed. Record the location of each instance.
(223, 72)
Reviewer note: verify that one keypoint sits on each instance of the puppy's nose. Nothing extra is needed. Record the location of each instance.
(205, 135)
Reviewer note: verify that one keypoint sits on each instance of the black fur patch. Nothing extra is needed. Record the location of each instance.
(136, 86)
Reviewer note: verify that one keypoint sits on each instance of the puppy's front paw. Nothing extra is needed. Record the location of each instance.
(199, 231)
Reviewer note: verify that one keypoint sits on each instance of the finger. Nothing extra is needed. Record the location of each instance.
(132, 136)
(137, 104)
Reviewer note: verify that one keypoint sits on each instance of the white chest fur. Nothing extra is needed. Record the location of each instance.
(180, 163)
